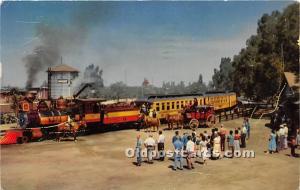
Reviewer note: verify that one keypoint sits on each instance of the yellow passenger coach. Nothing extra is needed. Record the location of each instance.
(171, 104)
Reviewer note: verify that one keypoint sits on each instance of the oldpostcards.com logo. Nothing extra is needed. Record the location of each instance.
(131, 152)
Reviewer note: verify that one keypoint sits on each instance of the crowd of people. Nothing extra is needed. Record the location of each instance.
(278, 140)
(210, 145)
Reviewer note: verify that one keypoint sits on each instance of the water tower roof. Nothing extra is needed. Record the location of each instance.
(63, 68)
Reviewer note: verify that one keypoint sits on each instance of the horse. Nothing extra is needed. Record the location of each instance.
(69, 127)
(149, 122)
(177, 119)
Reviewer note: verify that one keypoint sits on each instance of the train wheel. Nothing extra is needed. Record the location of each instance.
(194, 124)
(25, 139)
(211, 120)
(19, 140)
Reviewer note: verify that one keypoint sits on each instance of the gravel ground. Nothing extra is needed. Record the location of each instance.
(98, 161)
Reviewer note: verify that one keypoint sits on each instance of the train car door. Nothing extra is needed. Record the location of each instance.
(102, 114)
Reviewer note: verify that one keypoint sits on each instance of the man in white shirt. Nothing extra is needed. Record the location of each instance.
(190, 148)
(243, 136)
(150, 145)
(161, 146)
(281, 137)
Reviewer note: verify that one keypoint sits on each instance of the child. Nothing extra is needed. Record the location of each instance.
(272, 142)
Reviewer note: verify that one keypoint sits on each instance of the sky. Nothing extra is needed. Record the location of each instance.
(130, 41)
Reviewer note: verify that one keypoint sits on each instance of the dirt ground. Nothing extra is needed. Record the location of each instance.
(98, 162)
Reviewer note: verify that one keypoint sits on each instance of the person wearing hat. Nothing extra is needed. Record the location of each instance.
(281, 137)
(143, 109)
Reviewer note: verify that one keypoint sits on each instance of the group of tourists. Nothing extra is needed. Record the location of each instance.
(206, 145)
(149, 144)
(278, 140)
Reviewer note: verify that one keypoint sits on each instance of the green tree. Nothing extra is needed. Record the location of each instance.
(222, 78)
(257, 70)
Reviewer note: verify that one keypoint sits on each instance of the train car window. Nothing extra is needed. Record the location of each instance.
(181, 104)
(168, 105)
(157, 107)
(95, 108)
(173, 105)
(162, 106)
(46, 113)
(56, 112)
(177, 105)
(88, 108)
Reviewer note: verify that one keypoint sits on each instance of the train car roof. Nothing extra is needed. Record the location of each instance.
(182, 96)
(173, 96)
(219, 93)
(90, 99)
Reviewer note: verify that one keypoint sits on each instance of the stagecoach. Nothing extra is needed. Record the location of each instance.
(203, 115)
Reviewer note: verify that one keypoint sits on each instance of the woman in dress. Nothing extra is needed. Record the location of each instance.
(272, 142)
(217, 146)
(236, 142)
(203, 149)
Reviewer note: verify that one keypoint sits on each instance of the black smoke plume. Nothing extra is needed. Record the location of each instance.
(54, 40)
